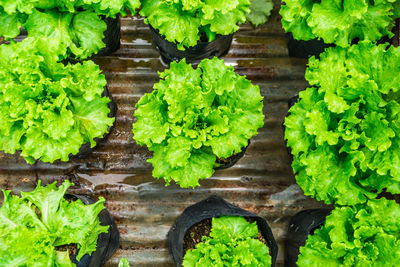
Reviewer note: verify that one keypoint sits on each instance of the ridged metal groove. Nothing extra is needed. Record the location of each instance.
(144, 209)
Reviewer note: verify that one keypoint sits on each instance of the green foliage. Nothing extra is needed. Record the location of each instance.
(108, 8)
(260, 10)
(49, 110)
(232, 242)
(80, 34)
(338, 22)
(77, 26)
(33, 225)
(344, 132)
(123, 263)
(194, 116)
(396, 9)
(184, 21)
(364, 235)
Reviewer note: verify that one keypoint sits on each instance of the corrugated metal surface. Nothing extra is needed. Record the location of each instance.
(261, 182)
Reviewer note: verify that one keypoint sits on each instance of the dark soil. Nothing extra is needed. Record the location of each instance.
(72, 249)
(194, 235)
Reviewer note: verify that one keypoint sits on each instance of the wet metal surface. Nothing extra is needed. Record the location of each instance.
(144, 209)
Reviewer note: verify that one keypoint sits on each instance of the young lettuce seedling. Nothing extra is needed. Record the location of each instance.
(33, 226)
(232, 242)
(361, 235)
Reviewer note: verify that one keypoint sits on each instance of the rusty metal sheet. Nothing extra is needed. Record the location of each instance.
(144, 209)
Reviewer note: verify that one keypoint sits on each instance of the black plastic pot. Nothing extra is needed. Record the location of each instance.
(85, 148)
(169, 51)
(107, 243)
(229, 162)
(305, 49)
(301, 225)
(213, 206)
(112, 36)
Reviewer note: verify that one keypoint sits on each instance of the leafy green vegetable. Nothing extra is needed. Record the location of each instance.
(344, 132)
(231, 243)
(77, 26)
(9, 24)
(396, 9)
(35, 224)
(123, 263)
(108, 8)
(79, 34)
(260, 10)
(364, 235)
(338, 22)
(194, 116)
(184, 21)
(49, 110)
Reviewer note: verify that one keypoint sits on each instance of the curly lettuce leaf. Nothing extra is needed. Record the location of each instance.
(228, 228)
(294, 18)
(364, 235)
(251, 252)
(344, 132)
(123, 263)
(338, 22)
(23, 245)
(194, 116)
(68, 222)
(14, 6)
(182, 29)
(63, 260)
(231, 243)
(396, 9)
(342, 23)
(108, 8)
(223, 22)
(260, 10)
(39, 221)
(184, 21)
(45, 102)
(198, 165)
(81, 34)
(77, 26)
(9, 25)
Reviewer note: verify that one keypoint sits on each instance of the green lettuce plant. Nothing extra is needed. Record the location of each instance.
(76, 25)
(344, 132)
(260, 10)
(232, 242)
(339, 22)
(184, 21)
(363, 235)
(194, 116)
(48, 109)
(396, 9)
(34, 225)
(123, 263)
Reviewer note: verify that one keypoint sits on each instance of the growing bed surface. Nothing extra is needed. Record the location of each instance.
(144, 209)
